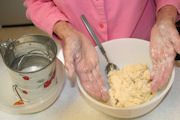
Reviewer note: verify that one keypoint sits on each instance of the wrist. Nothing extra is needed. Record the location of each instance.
(62, 29)
(167, 14)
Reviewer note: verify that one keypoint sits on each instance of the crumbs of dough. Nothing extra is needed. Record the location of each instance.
(130, 86)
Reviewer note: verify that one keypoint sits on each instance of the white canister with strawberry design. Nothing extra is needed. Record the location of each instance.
(30, 60)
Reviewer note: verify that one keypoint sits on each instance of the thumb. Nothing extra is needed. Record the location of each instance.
(69, 62)
(176, 44)
(71, 73)
(70, 68)
(73, 79)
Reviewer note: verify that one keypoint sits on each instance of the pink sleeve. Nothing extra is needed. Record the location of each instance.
(44, 14)
(162, 3)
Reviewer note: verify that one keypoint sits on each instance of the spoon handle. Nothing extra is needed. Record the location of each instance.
(93, 35)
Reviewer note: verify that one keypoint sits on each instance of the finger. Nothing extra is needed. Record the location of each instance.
(69, 65)
(85, 82)
(69, 62)
(89, 85)
(163, 71)
(167, 64)
(153, 71)
(159, 75)
(72, 75)
(153, 55)
(157, 78)
(98, 78)
(177, 45)
(101, 83)
(166, 73)
(156, 55)
(98, 75)
(156, 60)
(104, 93)
(93, 79)
(83, 77)
(73, 79)
(96, 88)
(70, 68)
(176, 42)
(87, 79)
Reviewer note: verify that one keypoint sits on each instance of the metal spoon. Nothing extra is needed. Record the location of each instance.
(110, 66)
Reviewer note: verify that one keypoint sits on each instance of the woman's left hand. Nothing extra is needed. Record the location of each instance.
(165, 42)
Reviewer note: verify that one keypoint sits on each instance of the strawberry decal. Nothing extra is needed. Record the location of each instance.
(47, 83)
(26, 78)
(25, 92)
(20, 102)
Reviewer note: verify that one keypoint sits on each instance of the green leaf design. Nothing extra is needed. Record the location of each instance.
(40, 81)
(50, 74)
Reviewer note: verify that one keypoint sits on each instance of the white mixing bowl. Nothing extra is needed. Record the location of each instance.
(122, 52)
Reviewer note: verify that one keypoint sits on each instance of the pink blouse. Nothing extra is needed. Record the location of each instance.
(110, 19)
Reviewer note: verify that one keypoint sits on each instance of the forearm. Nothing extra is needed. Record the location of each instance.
(44, 14)
(167, 14)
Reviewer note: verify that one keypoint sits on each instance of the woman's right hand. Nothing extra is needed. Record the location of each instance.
(81, 57)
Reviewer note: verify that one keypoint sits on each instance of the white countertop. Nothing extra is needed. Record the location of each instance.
(71, 106)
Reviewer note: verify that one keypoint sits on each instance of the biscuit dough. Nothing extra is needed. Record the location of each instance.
(129, 86)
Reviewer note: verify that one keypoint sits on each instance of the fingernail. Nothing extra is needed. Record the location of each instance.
(104, 93)
(151, 76)
(153, 88)
(105, 97)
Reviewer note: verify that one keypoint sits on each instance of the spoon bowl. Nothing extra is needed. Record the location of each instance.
(110, 67)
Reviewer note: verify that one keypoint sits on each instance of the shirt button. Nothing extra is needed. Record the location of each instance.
(101, 26)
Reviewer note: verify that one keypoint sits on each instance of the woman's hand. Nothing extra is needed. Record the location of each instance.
(81, 57)
(165, 42)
